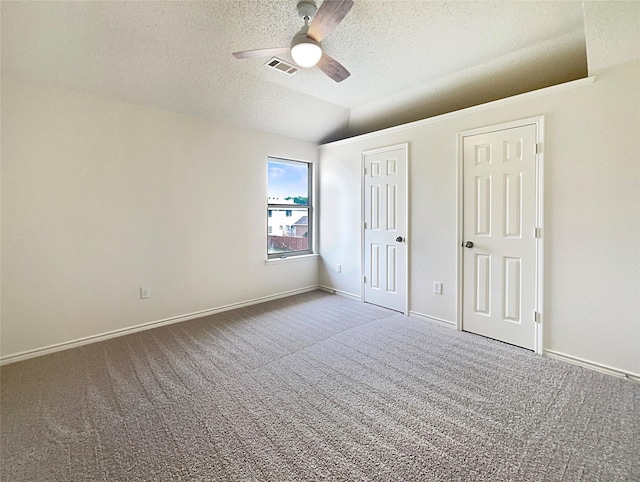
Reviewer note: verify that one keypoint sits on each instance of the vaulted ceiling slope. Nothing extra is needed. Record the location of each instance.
(408, 59)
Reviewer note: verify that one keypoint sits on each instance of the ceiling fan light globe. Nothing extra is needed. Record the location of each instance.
(305, 51)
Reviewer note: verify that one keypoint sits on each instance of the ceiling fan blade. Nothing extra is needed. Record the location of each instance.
(333, 68)
(257, 53)
(327, 18)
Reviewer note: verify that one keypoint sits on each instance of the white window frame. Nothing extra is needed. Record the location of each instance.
(308, 207)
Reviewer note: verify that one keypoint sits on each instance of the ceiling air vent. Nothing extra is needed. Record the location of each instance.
(282, 66)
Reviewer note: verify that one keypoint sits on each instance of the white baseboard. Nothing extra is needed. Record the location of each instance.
(439, 321)
(145, 326)
(592, 365)
(334, 291)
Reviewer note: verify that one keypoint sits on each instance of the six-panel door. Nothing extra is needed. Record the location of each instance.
(499, 216)
(385, 228)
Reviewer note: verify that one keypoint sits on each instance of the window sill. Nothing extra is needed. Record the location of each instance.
(289, 259)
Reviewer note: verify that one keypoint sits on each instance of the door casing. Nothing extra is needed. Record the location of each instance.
(405, 148)
(539, 207)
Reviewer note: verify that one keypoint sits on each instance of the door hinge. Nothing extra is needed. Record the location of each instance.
(364, 279)
(536, 317)
(364, 225)
(537, 232)
(364, 171)
(538, 147)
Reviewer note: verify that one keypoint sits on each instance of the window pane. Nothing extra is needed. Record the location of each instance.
(286, 233)
(289, 208)
(288, 182)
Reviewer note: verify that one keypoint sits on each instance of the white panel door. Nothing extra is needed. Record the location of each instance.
(499, 236)
(385, 226)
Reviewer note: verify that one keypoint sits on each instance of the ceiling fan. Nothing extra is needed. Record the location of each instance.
(306, 47)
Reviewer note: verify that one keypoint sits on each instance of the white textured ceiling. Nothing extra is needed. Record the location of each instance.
(408, 59)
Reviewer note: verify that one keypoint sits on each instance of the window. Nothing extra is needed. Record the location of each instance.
(289, 211)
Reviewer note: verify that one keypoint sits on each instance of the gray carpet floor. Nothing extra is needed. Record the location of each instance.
(313, 387)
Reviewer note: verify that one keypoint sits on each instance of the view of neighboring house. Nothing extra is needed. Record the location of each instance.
(301, 227)
(287, 229)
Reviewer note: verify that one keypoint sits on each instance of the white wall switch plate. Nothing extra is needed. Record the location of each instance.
(145, 292)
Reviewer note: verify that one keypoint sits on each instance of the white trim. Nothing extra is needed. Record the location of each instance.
(405, 147)
(476, 108)
(315, 235)
(599, 367)
(313, 229)
(378, 150)
(538, 122)
(288, 259)
(335, 291)
(503, 126)
(145, 326)
(362, 225)
(460, 229)
(407, 236)
(539, 241)
(433, 319)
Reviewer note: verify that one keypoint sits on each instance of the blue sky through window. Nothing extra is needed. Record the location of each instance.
(288, 179)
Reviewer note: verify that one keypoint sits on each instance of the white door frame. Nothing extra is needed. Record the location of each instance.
(539, 242)
(405, 147)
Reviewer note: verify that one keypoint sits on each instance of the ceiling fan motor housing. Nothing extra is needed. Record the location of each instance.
(306, 9)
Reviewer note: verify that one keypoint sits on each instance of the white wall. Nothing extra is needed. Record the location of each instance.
(101, 197)
(592, 212)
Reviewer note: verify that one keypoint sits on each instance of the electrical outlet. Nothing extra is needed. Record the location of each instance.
(145, 292)
(437, 287)
(339, 268)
